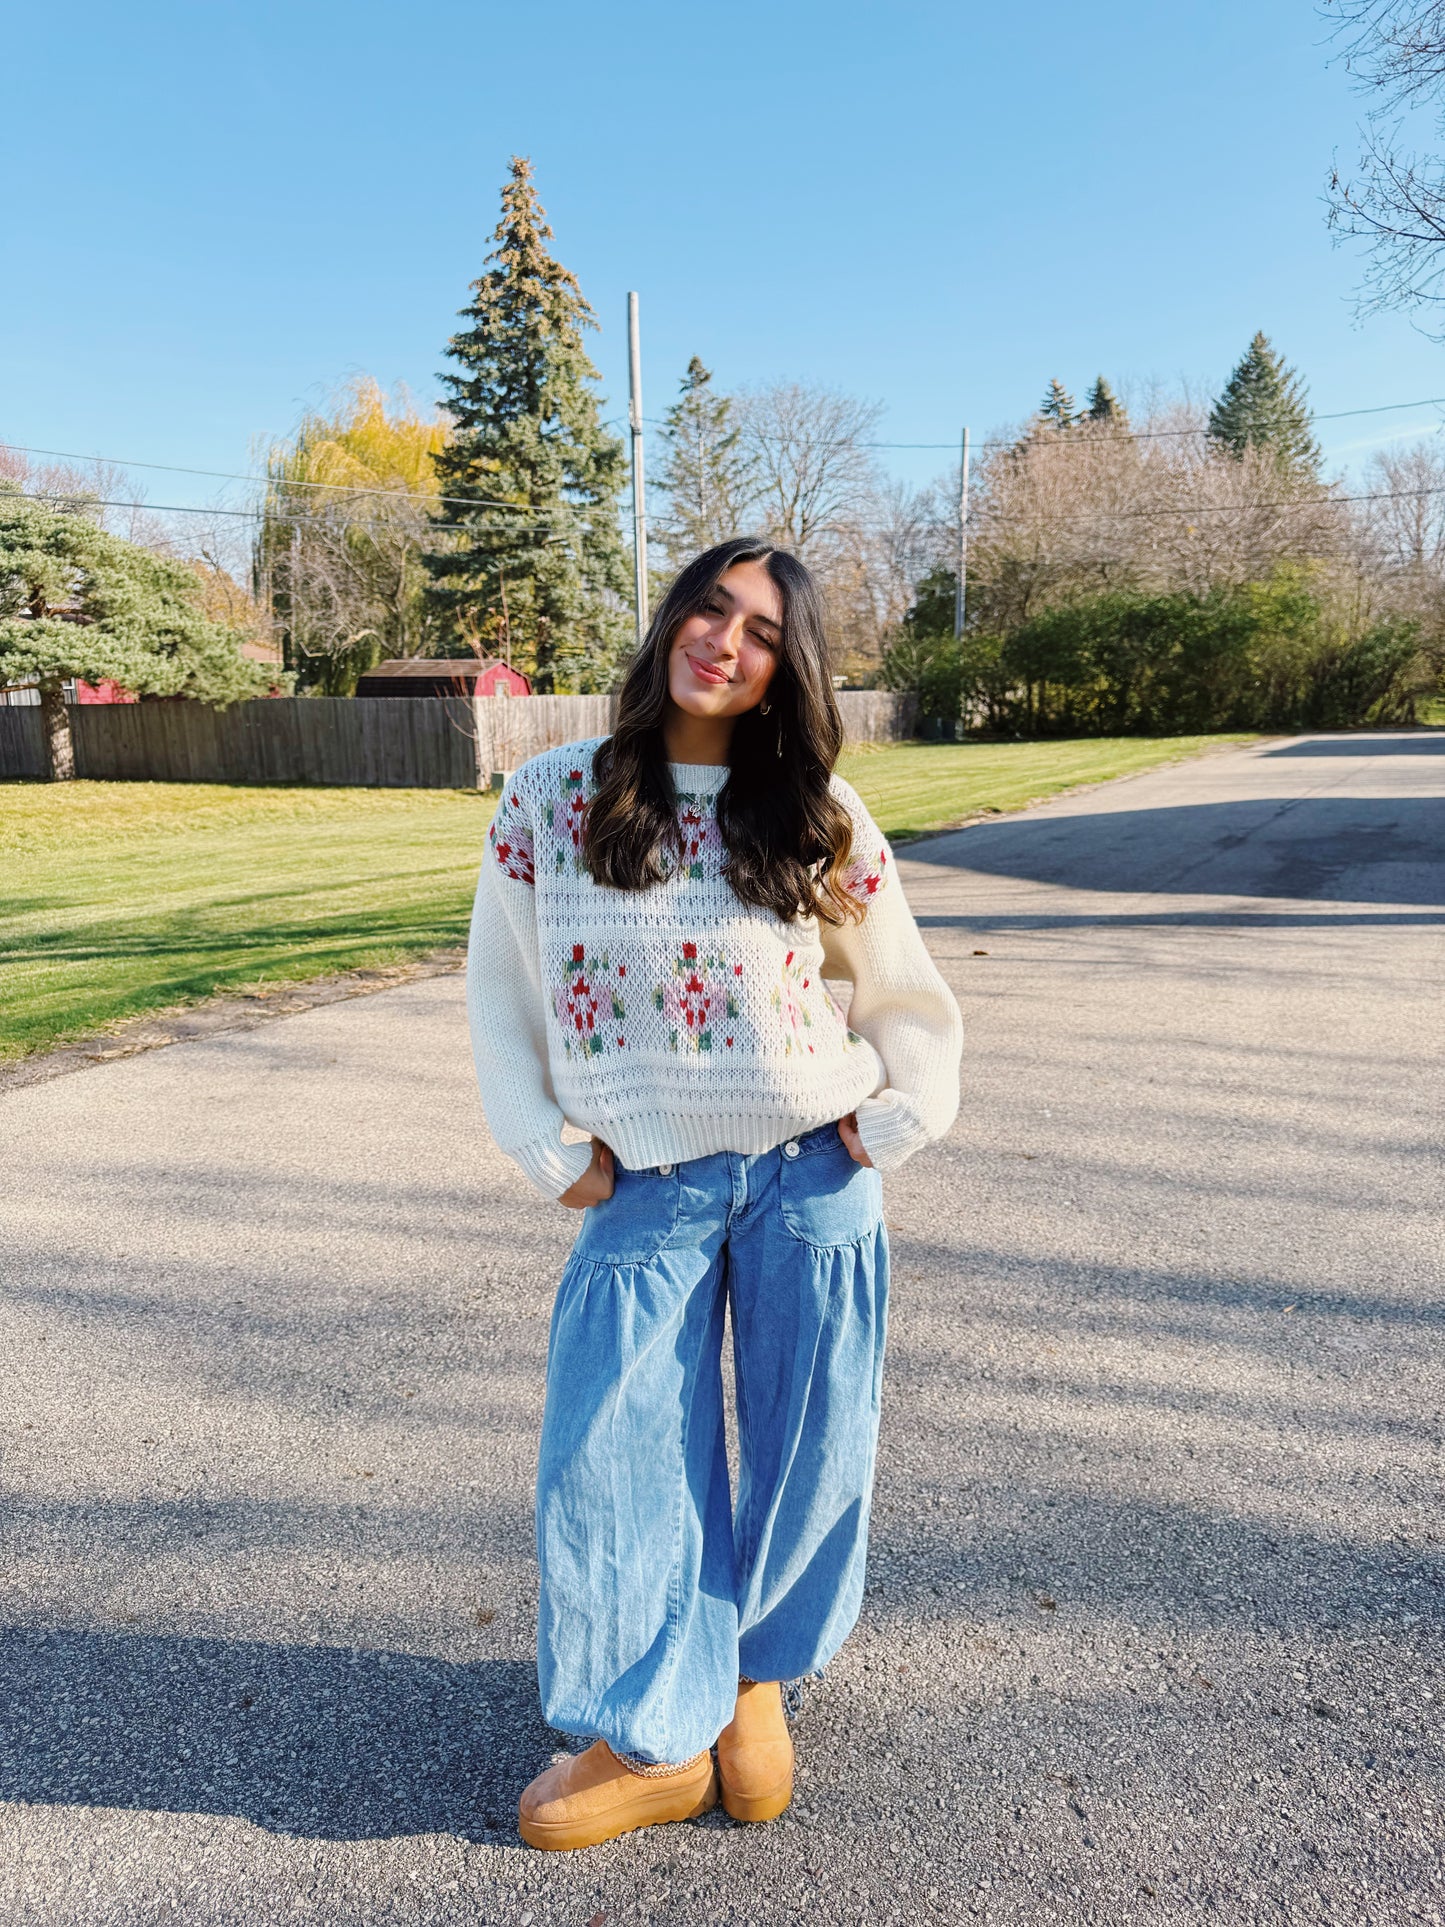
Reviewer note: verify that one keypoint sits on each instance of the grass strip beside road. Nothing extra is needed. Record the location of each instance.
(125, 899)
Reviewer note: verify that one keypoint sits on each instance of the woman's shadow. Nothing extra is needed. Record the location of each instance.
(328, 1742)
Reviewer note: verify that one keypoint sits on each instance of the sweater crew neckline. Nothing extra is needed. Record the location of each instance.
(698, 778)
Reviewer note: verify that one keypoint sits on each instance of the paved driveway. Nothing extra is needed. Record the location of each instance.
(1153, 1626)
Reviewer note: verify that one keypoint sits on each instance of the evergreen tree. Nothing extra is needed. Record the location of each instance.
(76, 602)
(704, 472)
(530, 536)
(1057, 406)
(1263, 406)
(1104, 406)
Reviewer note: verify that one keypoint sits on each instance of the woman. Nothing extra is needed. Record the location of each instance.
(655, 918)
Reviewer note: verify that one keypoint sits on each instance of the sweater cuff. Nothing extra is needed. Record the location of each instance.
(889, 1130)
(554, 1167)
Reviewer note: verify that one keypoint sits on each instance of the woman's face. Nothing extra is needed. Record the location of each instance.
(724, 657)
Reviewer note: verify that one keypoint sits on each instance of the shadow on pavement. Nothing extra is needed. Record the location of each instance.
(1142, 1562)
(1188, 920)
(1364, 746)
(328, 1742)
(1323, 849)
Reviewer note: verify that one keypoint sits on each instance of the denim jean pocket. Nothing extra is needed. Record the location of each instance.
(632, 1226)
(826, 1199)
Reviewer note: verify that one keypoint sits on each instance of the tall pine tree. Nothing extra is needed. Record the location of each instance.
(530, 549)
(1263, 406)
(1104, 406)
(1057, 406)
(704, 473)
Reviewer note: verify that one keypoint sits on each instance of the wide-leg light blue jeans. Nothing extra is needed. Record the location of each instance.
(656, 1592)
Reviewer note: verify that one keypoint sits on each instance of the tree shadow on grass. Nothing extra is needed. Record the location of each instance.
(328, 1742)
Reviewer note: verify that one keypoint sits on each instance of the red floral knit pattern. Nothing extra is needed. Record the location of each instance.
(567, 820)
(702, 842)
(793, 1003)
(511, 840)
(863, 877)
(589, 1004)
(698, 1000)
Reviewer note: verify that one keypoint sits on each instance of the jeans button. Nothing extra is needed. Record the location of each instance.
(790, 1149)
(664, 1170)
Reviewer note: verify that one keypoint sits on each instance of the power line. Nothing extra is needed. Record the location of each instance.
(522, 508)
(1177, 434)
(282, 481)
(1130, 434)
(253, 514)
(1202, 508)
(1253, 508)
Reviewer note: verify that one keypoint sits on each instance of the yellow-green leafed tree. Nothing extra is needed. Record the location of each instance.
(349, 498)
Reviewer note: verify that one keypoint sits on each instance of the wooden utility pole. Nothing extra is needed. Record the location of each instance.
(639, 500)
(961, 593)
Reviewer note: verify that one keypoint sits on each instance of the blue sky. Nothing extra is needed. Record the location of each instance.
(934, 205)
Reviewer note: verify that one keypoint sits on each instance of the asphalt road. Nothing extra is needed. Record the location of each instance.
(1154, 1620)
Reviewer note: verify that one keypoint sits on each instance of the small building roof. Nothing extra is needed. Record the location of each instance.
(434, 667)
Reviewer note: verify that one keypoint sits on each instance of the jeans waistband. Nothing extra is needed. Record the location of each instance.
(805, 1144)
(818, 1139)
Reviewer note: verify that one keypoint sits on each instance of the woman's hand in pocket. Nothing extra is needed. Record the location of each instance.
(852, 1140)
(595, 1184)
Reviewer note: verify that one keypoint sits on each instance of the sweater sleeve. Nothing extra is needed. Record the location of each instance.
(507, 1011)
(901, 1004)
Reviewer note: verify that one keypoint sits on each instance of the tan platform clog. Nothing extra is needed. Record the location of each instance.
(755, 1754)
(594, 1796)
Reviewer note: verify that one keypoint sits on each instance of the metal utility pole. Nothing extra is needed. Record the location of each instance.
(639, 499)
(961, 593)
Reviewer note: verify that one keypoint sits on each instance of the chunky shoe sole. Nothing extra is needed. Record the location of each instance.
(654, 1804)
(763, 1806)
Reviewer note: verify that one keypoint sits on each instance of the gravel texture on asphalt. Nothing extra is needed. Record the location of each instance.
(1155, 1603)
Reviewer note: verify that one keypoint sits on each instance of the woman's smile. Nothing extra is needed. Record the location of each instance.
(708, 672)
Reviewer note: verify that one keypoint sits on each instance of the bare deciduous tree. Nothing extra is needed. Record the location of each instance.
(815, 489)
(812, 473)
(1061, 514)
(1394, 198)
(1406, 521)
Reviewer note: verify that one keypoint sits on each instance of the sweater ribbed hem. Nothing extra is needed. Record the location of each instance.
(554, 1167)
(889, 1132)
(641, 1144)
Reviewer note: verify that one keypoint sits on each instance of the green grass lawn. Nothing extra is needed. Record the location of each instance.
(121, 898)
(125, 898)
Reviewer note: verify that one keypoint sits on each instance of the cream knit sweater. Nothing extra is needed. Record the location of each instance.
(679, 1021)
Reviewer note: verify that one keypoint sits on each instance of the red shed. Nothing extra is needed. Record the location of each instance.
(442, 676)
(102, 692)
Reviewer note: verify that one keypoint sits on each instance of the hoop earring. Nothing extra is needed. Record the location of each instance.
(765, 709)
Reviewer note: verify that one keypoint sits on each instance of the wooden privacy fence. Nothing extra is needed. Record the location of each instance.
(372, 742)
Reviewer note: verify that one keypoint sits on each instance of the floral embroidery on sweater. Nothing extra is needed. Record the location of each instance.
(701, 838)
(587, 997)
(567, 819)
(863, 879)
(696, 998)
(792, 1006)
(511, 841)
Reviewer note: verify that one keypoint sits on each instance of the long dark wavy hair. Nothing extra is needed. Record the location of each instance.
(787, 836)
